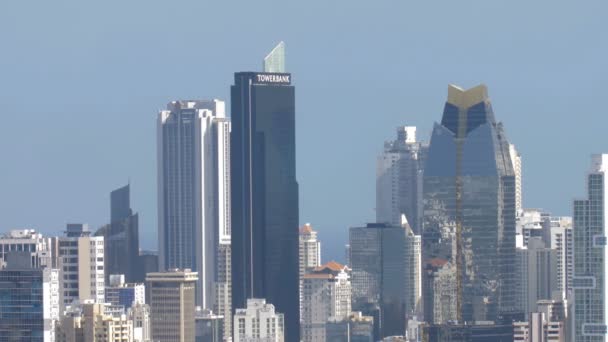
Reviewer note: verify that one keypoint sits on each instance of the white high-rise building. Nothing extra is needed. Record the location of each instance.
(559, 230)
(590, 228)
(309, 254)
(81, 266)
(194, 194)
(516, 162)
(537, 274)
(223, 288)
(258, 323)
(326, 292)
(399, 179)
(310, 249)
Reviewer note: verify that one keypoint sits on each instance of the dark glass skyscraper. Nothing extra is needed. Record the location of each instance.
(468, 238)
(590, 256)
(121, 238)
(385, 262)
(265, 191)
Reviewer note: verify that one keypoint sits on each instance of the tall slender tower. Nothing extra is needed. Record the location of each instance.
(399, 179)
(516, 162)
(310, 249)
(121, 238)
(469, 214)
(193, 190)
(265, 190)
(590, 229)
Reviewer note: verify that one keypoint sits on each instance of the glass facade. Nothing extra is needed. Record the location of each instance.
(275, 60)
(192, 187)
(265, 195)
(21, 305)
(469, 213)
(589, 230)
(399, 179)
(121, 238)
(385, 273)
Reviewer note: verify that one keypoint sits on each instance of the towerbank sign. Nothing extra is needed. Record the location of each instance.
(269, 78)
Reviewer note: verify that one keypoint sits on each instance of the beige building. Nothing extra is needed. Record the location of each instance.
(91, 323)
(326, 292)
(172, 298)
(81, 266)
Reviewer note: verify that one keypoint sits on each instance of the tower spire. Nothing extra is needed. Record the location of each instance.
(275, 60)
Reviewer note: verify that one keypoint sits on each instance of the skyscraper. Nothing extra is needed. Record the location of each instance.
(310, 249)
(386, 273)
(265, 190)
(516, 162)
(193, 190)
(469, 210)
(590, 228)
(536, 274)
(559, 231)
(399, 179)
(121, 238)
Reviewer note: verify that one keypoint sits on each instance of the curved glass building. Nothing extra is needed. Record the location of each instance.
(468, 241)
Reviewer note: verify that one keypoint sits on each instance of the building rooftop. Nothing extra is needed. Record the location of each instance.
(172, 276)
(306, 229)
(21, 234)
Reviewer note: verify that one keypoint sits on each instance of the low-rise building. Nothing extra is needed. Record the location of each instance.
(258, 323)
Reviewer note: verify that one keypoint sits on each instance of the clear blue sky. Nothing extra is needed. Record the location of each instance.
(81, 84)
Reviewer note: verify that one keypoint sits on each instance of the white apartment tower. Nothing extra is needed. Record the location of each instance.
(310, 249)
(590, 228)
(81, 266)
(559, 230)
(516, 161)
(193, 140)
(258, 323)
(326, 293)
(399, 179)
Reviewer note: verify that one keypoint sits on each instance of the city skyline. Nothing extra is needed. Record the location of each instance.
(297, 172)
(78, 80)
